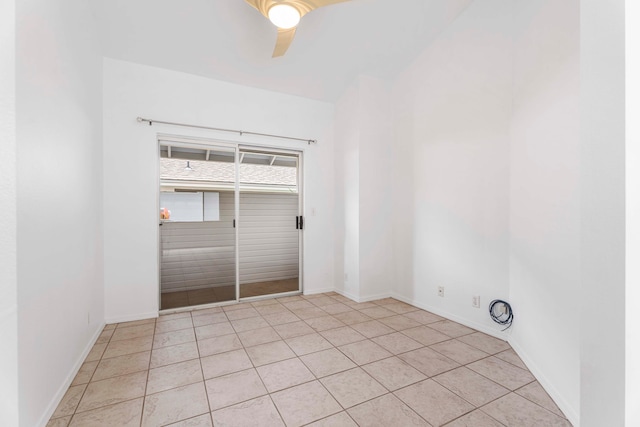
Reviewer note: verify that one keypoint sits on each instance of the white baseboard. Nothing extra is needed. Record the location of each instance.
(466, 322)
(346, 294)
(318, 291)
(131, 317)
(57, 398)
(572, 415)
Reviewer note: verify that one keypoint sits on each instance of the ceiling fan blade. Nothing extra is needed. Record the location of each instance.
(285, 37)
(314, 4)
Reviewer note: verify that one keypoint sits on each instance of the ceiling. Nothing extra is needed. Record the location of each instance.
(231, 41)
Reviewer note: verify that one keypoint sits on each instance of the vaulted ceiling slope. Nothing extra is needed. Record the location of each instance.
(229, 40)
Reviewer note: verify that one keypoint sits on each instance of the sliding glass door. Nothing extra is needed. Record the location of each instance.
(197, 224)
(270, 223)
(230, 223)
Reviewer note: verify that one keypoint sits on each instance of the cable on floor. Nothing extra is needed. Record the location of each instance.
(501, 313)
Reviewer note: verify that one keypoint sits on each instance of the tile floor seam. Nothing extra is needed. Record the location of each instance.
(146, 384)
(536, 403)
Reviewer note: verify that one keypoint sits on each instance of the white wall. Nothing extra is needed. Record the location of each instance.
(452, 110)
(59, 198)
(632, 156)
(8, 279)
(545, 196)
(602, 86)
(131, 157)
(364, 236)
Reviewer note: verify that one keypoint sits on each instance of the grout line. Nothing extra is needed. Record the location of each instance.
(146, 383)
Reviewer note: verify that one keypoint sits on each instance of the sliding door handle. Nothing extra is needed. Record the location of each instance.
(297, 222)
(301, 222)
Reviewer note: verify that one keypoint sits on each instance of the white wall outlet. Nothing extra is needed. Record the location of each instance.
(475, 301)
(441, 291)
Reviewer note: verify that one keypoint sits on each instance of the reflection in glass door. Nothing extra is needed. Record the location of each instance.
(269, 223)
(197, 224)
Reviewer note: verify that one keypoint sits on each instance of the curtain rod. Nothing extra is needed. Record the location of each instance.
(240, 132)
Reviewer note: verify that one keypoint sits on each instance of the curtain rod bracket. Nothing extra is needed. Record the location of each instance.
(240, 132)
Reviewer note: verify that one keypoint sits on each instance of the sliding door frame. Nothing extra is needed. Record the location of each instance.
(203, 143)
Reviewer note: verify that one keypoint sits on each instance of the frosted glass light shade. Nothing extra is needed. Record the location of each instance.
(284, 16)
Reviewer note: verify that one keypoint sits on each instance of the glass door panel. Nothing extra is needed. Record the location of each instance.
(268, 234)
(197, 224)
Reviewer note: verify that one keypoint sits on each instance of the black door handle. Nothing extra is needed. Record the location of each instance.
(297, 222)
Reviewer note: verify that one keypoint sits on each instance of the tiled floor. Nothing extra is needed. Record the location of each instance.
(318, 360)
(226, 293)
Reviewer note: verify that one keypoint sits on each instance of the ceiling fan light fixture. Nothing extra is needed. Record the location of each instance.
(284, 16)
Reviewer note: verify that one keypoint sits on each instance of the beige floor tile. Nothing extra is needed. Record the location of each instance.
(96, 352)
(113, 390)
(309, 313)
(399, 322)
(459, 351)
(476, 418)
(308, 344)
(428, 361)
(424, 317)
(267, 310)
(122, 365)
(352, 387)
(342, 336)
(264, 302)
(70, 401)
(503, 373)
(514, 410)
(281, 318)
(172, 316)
(341, 419)
(322, 300)
(485, 342)
(433, 402)
(133, 332)
(199, 421)
(360, 305)
(248, 414)
(134, 345)
(258, 336)
(385, 301)
(400, 307)
(173, 325)
(535, 393)
(372, 328)
(393, 373)
(249, 324)
(59, 422)
(219, 345)
(287, 373)
(327, 362)
(174, 354)
(172, 376)
(225, 363)
(125, 414)
(385, 411)
(297, 304)
(206, 311)
(105, 336)
(174, 405)
(377, 312)
(337, 308)
(453, 329)
(173, 338)
(294, 329)
(214, 330)
(85, 373)
(363, 352)
(110, 326)
(209, 319)
(425, 335)
(511, 357)
(324, 323)
(235, 307)
(272, 352)
(136, 323)
(234, 388)
(290, 299)
(472, 387)
(305, 403)
(243, 313)
(352, 317)
(397, 343)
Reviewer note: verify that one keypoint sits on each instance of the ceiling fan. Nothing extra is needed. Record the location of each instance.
(286, 14)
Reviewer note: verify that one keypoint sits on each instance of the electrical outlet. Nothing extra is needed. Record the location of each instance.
(475, 301)
(441, 291)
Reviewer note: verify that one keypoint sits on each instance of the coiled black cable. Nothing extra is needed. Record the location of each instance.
(505, 317)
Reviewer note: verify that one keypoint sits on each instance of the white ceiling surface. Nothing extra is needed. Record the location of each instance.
(231, 41)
